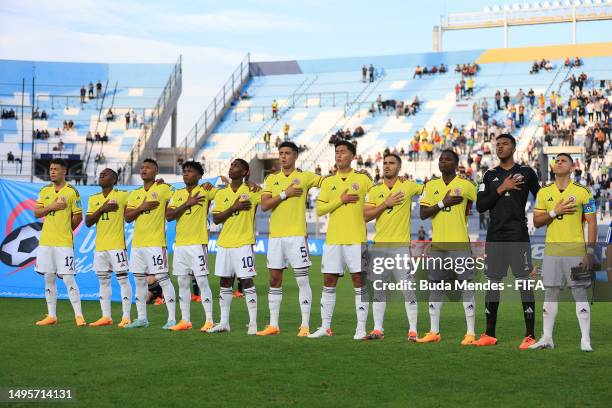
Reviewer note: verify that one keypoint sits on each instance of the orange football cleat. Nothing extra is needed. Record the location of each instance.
(485, 340)
(47, 321)
(103, 321)
(269, 331)
(527, 341)
(80, 321)
(430, 338)
(182, 325)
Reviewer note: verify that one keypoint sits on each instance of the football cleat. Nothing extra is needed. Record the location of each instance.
(430, 338)
(527, 341)
(374, 335)
(542, 344)
(468, 339)
(269, 331)
(137, 324)
(196, 298)
(485, 340)
(237, 294)
(80, 321)
(103, 321)
(159, 301)
(124, 322)
(585, 345)
(169, 324)
(47, 321)
(219, 328)
(207, 326)
(182, 325)
(321, 332)
(304, 331)
(412, 336)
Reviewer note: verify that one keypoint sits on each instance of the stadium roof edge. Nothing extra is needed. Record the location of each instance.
(551, 52)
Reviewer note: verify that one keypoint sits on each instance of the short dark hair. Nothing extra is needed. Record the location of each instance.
(452, 153)
(399, 159)
(114, 173)
(244, 163)
(60, 162)
(348, 145)
(509, 137)
(566, 155)
(290, 145)
(194, 165)
(152, 161)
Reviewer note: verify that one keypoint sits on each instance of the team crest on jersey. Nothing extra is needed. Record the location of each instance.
(355, 186)
(154, 195)
(457, 191)
(244, 197)
(296, 181)
(571, 199)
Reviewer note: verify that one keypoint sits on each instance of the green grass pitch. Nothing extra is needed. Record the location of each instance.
(111, 367)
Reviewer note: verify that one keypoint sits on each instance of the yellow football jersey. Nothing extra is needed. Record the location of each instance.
(57, 227)
(566, 230)
(191, 227)
(239, 229)
(393, 225)
(288, 219)
(450, 224)
(150, 226)
(110, 231)
(346, 224)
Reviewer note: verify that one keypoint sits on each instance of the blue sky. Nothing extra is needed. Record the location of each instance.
(213, 36)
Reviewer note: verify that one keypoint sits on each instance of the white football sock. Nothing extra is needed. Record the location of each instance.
(549, 311)
(104, 278)
(140, 280)
(361, 308)
(469, 309)
(206, 295)
(126, 293)
(51, 294)
(184, 282)
(328, 302)
(583, 312)
(435, 308)
(225, 303)
(169, 294)
(73, 294)
(379, 305)
(412, 309)
(250, 295)
(275, 297)
(304, 294)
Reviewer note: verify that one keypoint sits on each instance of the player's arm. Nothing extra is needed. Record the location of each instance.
(75, 220)
(534, 183)
(221, 216)
(132, 214)
(542, 218)
(174, 213)
(93, 218)
(430, 211)
(591, 220)
(372, 211)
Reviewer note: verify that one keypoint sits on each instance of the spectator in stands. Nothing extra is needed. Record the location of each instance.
(91, 90)
(100, 158)
(548, 66)
(98, 89)
(10, 157)
(535, 68)
(70, 124)
(36, 114)
(286, 128)
(89, 137)
(278, 141)
(134, 119)
(470, 87)
(371, 71)
(83, 93)
(568, 63)
(442, 69)
(418, 72)
(110, 116)
(318, 170)
(59, 147)
(462, 86)
(57, 133)
(368, 162)
(364, 73)
(104, 138)
(43, 115)
(127, 120)
(275, 109)
(97, 137)
(457, 92)
(267, 138)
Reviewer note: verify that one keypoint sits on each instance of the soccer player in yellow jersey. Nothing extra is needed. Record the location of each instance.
(106, 210)
(189, 207)
(389, 203)
(342, 197)
(562, 207)
(447, 201)
(285, 194)
(60, 205)
(235, 207)
(147, 206)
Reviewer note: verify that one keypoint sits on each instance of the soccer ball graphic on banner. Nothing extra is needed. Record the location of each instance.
(19, 247)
